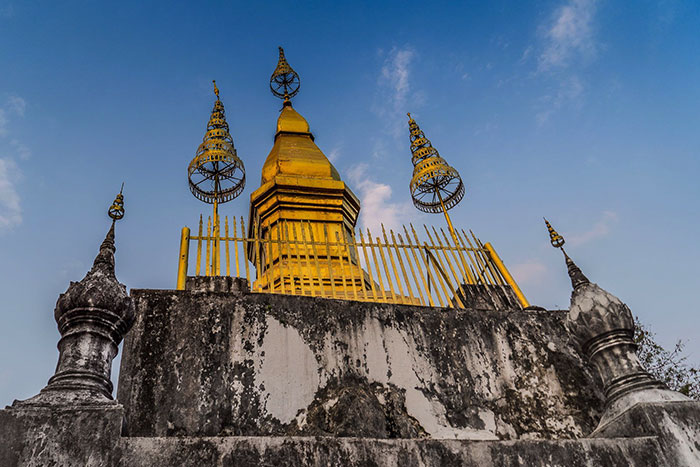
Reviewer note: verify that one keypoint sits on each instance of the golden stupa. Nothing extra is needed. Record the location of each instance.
(299, 238)
(301, 199)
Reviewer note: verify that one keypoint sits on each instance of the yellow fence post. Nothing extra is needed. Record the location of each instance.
(184, 256)
(506, 275)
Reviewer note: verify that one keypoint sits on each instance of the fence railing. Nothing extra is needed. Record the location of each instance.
(395, 267)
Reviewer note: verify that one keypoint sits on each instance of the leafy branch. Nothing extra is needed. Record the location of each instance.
(670, 367)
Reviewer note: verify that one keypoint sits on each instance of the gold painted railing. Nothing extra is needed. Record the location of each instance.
(393, 268)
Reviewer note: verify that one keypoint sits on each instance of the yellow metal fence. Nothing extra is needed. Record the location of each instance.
(396, 267)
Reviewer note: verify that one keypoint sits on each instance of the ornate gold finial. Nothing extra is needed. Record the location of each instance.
(556, 239)
(216, 174)
(284, 82)
(435, 185)
(116, 210)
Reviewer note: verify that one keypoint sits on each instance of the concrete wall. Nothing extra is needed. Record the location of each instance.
(208, 364)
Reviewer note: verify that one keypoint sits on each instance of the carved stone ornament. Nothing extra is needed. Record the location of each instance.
(603, 326)
(93, 316)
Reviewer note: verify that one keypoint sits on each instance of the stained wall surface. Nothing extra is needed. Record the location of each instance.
(213, 364)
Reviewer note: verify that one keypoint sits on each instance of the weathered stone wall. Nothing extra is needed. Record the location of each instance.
(208, 364)
(347, 452)
(70, 435)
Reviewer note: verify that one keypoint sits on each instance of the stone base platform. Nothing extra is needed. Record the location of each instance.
(90, 436)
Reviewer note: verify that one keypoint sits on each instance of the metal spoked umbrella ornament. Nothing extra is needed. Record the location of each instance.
(435, 185)
(284, 82)
(216, 174)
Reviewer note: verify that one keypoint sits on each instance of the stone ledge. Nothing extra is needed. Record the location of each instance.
(234, 285)
(315, 451)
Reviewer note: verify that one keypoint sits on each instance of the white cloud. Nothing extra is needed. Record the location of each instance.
(567, 39)
(334, 155)
(3, 122)
(394, 86)
(568, 34)
(17, 105)
(530, 273)
(395, 73)
(10, 210)
(22, 150)
(600, 229)
(570, 91)
(375, 198)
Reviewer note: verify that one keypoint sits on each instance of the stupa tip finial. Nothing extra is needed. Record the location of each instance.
(116, 210)
(575, 274)
(216, 89)
(555, 239)
(284, 82)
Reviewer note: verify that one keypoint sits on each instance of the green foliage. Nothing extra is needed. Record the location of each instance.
(670, 367)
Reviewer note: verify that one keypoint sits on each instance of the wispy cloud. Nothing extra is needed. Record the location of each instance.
(10, 206)
(22, 151)
(16, 104)
(570, 91)
(375, 197)
(335, 154)
(568, 35)
(394, 87)
(566, 44)
(3, 122)
(395, 73)
(10, 210)
(599, 230)
(530, 273)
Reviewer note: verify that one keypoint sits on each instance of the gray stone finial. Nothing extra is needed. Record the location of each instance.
(575, 274)
(603, 326)
(93, 316)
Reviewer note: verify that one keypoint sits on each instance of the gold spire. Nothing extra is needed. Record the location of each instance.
(284, 82)
(116, 210)
(420, 145)
(435, 185)
(556, 240)
(216, 174)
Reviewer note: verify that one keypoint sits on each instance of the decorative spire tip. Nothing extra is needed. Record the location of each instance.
(216, 89)
(284, 82)
(577, 277)
(116, 210)
(555, 239)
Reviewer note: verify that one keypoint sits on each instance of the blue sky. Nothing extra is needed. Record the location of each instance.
(583, 111)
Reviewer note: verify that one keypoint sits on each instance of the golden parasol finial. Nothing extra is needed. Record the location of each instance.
(554, 237)
(216, 90)
(116, 210)
(284, 82)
